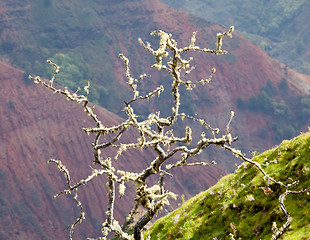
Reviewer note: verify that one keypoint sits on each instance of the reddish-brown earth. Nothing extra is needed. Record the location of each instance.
(37, 125)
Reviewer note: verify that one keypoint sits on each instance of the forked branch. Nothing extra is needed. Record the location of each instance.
(154, 132)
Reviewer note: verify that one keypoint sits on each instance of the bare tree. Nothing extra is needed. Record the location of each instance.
(154, 132)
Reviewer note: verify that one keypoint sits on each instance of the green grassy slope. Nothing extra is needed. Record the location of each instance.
(242, 204)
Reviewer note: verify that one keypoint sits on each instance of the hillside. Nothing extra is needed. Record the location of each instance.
(242, 204)
(85, 39)
(279, 27)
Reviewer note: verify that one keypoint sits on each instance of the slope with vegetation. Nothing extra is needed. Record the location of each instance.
(276, 102)
(244, 204)
(279, 27)
(85, 39)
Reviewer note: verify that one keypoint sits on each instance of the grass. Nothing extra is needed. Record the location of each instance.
(241, 204)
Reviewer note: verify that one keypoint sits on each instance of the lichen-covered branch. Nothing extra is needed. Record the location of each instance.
(279, 232)
(154, 132)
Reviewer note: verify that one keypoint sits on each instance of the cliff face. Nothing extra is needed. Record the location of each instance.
(37, 125)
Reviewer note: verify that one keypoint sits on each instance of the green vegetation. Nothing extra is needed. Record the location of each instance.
(287, 114)
(278, 27)
(11, 104)
(244, 204)
(71, 34)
